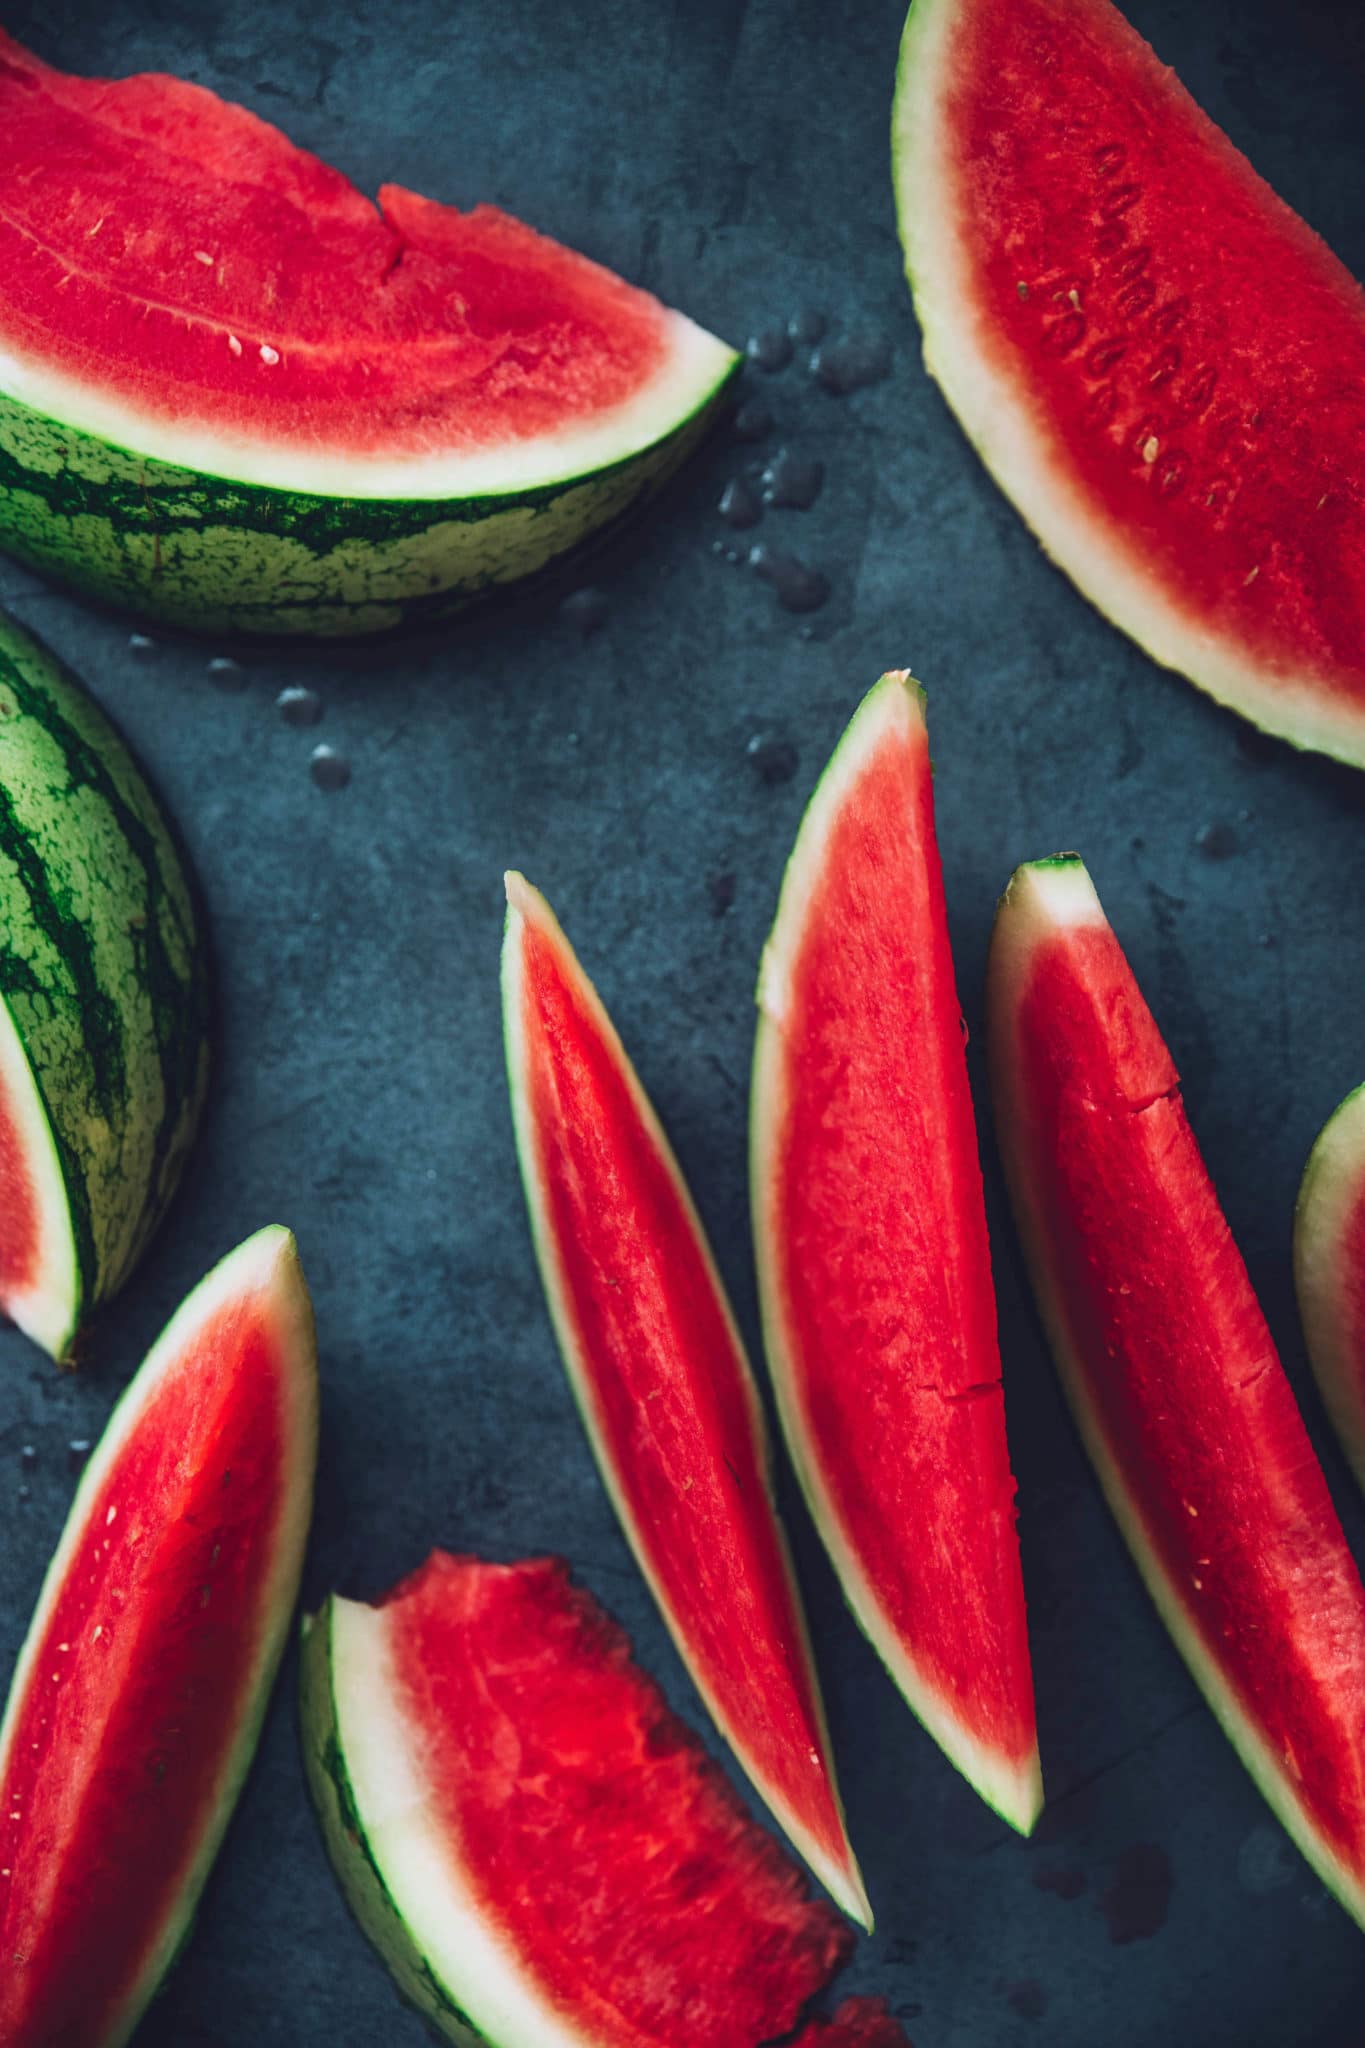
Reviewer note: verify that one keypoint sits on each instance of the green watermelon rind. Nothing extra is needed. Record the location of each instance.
(1049, 894)
(1333, 1181)
(526, 904)
(219, 552)
(1017, 1797)
(267, 1263)
(1122, 583)
(103, 978)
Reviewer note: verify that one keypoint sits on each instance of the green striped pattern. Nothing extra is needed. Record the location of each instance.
(103, 964)
(225, 556)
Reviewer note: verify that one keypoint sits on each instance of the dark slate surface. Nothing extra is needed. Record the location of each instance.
(736, 160)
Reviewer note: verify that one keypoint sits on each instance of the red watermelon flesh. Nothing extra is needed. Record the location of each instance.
(660, 1375)
(22, 1261)
(874, 1266)
(1160, 362)
(1329, 1270)
(859, 2023)
(608, 1864)
(139, 1691)
(1170, 1368)
(182, 258)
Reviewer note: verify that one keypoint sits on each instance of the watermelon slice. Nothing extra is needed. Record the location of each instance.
(659, 1372)
(1160, 364)
(1329, 1269)
(104, 1001)
(140, 1690)
(1165, 1357)
(236, 393)
(873, 1263)
(542, 1853)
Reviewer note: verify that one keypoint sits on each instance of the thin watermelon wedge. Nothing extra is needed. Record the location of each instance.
(659, 1372)
(543, 1854)
(140, 1689)
(1159, 363)
(104, 1001)
(1173, 1377)
(873, 1263)
(1329, 1270)
(237, 394)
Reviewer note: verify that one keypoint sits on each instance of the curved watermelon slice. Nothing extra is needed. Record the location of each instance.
(542, 1853)
(236, 393)
(140, 1690)
(1161, 365)
(659, 1373)
(1329, 1270)
(873, 1263)
(1164, 1354)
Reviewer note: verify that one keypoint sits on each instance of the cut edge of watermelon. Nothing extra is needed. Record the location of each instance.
(895, 703)
(696, 370)
(47, 1306)
(526, 906)
(396, 1867)
(1044, 898)
(265, 1264)
(1329, 1195)
(1114, 578)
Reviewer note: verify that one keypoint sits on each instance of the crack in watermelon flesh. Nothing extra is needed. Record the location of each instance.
(1162, 364)
(874, 1265)
(1171, 1368)
(145, 1659)
(661, 1378)
(178, 255)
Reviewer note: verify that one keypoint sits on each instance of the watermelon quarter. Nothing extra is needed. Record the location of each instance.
(1157, 360)
(873, 1262)
(1329, 1270)
(662, 1382)
(103, 1001)
(542, 1853)
(236, 394)
(139, 1692)
(1169, 1367)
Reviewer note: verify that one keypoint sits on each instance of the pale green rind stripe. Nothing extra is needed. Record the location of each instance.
(1333, 1183)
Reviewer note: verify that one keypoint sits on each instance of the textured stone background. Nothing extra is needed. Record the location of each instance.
(735, 159)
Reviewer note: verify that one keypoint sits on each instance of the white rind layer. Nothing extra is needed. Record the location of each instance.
(695, 365)
(1014, 439)
(48, 1309)
(1333, 1184)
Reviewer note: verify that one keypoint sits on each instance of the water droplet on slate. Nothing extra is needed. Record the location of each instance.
(77, 1451)
(738, 506)
(1217, 841)
(775, 760)
(753, 420)
(807, 327)
(799, 587)
(721, 889)
(733, 557)
(25, 1492)
(1266, 939)
(141, 643)
(571, 739)
(792, 480)
(850, 365)
(770, 349)
(28, 1457)
(585, 610)
(225, 673)
(329, 769)
(298, 706)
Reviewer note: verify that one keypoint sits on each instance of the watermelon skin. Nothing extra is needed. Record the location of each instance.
(1159, 363)
(664, 1388)
(105, 989)
(863, 1173)
(173, 1584)
(1170, 1371)
(1329, 1270)
(540, 1851)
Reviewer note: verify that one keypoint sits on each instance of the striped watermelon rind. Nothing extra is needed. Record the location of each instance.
(104, 985)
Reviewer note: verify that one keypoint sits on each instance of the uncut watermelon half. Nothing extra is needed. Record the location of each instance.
(659, 1372)
(237, 394)
(1161, 365)
(104, 1001)
(1329, 1270)
(1170, 1370)
(543, 1854)
(140, 1689)
(873, 1263)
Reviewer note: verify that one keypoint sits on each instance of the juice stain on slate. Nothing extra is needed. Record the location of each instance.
(1136, 1903)
(1062, 1883)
